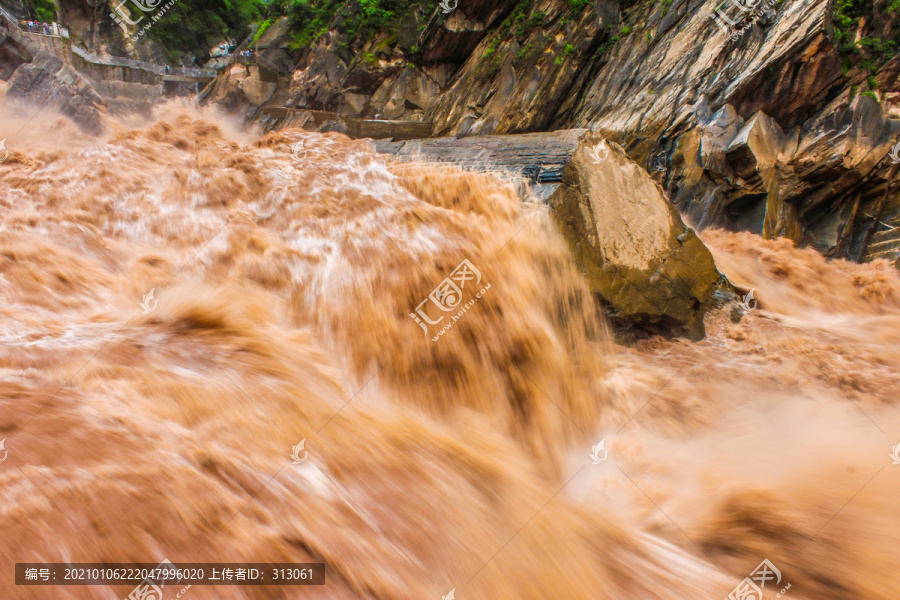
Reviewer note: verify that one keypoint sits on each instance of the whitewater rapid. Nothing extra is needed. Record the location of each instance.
(282, 289)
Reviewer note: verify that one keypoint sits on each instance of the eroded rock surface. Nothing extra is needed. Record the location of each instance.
(649, 269)
(39, 78)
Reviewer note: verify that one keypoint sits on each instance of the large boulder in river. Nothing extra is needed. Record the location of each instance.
(647, 267)
(648, 270)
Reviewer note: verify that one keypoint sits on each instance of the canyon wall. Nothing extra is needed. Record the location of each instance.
(774, 118)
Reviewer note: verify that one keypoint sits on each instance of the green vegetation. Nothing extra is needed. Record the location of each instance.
(569, 49)
(491, 63)
(871, 52)
(263, 27)
(879, 51)
(845, 19)
(525, 51)
(491, 49)
(519, 23)
(358, 21)
(526, 26)
(612, 40)
(666, 4)
(40, 10)
(195, 25)
(867, 53)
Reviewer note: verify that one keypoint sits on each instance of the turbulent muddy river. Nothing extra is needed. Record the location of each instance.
(208, 355)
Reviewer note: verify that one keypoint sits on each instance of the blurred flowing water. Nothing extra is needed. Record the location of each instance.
(284, 290)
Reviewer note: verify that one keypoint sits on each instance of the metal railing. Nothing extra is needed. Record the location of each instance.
(265, 62)
(63, 32)
(251, 57)
(118, 61)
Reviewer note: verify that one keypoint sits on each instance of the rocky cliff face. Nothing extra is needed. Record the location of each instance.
(781, 124)
(36, 77)
(773, 132)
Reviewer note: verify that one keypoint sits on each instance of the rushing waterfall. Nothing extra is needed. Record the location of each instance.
(182, 304)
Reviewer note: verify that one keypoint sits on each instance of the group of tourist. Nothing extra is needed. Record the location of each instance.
(40, 27)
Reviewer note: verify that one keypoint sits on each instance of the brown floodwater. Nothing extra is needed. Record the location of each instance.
(283, 283)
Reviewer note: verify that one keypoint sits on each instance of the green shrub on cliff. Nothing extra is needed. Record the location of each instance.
(850, 18)
(195, 25)
(40, 10)
(357, 20)
(261, 30)
(845, 18)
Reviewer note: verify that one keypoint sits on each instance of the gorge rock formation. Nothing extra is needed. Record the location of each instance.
(37, 77)
(781, 125)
